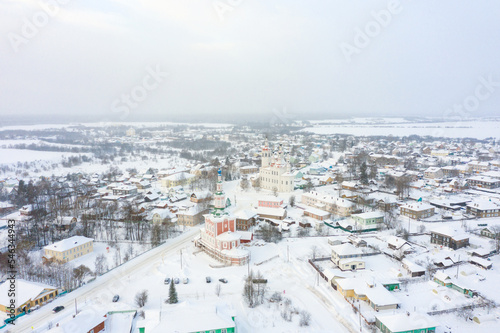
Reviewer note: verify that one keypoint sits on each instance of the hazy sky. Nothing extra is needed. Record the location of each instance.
(242, 58)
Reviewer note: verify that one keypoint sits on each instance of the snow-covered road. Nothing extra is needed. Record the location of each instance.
(103, 288)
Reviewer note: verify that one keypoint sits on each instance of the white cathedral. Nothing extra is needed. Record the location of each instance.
(275, 171)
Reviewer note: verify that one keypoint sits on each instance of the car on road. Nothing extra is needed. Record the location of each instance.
(208, 279)
(223, 280)
(57, 309)
(176, 280)
(116, 298)
(167, 280)
(185, 281)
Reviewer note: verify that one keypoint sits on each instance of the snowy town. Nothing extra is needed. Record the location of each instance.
(143, 227)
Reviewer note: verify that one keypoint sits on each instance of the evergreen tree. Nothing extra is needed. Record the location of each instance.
(172, 294)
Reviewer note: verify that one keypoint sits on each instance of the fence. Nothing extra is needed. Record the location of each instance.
(311, 262)
(466, 307)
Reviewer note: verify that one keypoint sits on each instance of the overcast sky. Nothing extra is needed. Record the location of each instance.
(242, 58)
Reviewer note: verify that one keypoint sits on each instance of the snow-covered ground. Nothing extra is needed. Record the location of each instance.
(13, 156)
(471, 129)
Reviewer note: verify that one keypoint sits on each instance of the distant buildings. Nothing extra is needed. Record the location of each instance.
(449, 237)
(433, 173)
(483, 208)
(329, 203)
(369, 219)
(130, 132)
(484, 182)
(191, 216)
(271, 207)
(125, 190)
(181, 178)
(417, 210)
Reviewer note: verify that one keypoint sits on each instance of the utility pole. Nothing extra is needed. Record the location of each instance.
(359, 311)
(181, 259)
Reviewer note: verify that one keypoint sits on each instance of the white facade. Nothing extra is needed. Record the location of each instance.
(275, 172)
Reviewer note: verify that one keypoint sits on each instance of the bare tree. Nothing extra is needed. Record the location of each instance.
(275, 191)
(314, 251)
(495, 229)
(244, 184)
(156, 235)
(80, 273)
(286, 309)
(256, 184)
(429, 267)
(305, 318)
(101, 265)
(465, 313)
(141, 298)
(218, 289)
(403, 186)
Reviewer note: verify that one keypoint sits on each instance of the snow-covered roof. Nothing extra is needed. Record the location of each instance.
(417, 207)
(483, 204)
(229, 236)
(441, 276)
(179, 176)
(270, 198)
(270, 211)
(369, 215)
(162, 213)
(406, 323)
(480, 261)
(85, 320)
(316, 211)
(244, 214)
(201, 194)
(451, 232)
(412, 267)
(346, 249)
(395, 241)
(25, 290)
(179, 318)
(380, 296)
(68, 243)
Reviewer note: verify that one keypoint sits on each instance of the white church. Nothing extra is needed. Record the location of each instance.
(275, 171)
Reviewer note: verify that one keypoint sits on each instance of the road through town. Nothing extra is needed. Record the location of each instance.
(102, 289)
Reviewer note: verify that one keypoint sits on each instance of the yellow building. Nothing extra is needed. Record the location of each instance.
(69, 249)
(28, 295)
(181, 178)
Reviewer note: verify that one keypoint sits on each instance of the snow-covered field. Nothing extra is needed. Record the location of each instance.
(13, 156)
(105, 124)
(471, 129)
